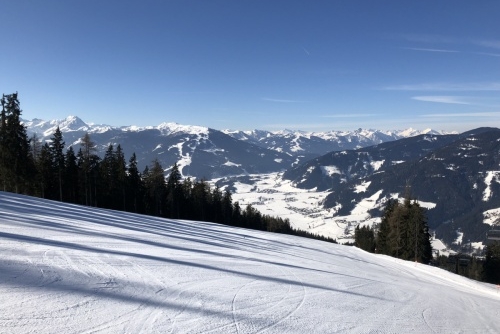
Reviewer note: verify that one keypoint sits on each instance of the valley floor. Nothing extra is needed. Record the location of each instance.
(73, 269)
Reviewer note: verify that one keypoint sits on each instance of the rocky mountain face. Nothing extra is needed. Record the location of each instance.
(457, 177)
(208, 153)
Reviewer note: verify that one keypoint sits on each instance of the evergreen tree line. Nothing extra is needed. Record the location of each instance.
(47, 170)
(403, 232)
(485, 268)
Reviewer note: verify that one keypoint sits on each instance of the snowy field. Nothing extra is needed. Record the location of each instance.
(73, 269)
(273, 196)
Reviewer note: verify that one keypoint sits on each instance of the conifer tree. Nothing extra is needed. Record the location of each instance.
(120, 167)
(107, 182)
(227, 208)
(200, 200)
(16, 169)
(364, 238)
(87, 161)
(382, 241)
(492, 263)
(71, 176)
(174, 192)
(46, 172)
(154, 181)
(134, 186)
(57, 150)
(404, 232)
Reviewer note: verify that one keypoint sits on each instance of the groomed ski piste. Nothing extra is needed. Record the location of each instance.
(74, 269)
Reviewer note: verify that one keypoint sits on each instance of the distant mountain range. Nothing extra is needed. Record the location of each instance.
(208, 153)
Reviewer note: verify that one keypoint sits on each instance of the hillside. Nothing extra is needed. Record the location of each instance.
(68, 268)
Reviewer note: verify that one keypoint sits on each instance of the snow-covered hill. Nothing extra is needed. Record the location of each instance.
(67, 268)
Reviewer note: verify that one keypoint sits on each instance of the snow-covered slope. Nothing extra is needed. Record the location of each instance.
(67, 268)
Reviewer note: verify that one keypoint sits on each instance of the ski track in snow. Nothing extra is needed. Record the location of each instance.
(72, 269)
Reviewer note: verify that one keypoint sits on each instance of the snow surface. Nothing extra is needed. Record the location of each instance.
(491, 217)
(330, 170)
(74, 269)
(490, 177)
(377, 164)
(274, 196)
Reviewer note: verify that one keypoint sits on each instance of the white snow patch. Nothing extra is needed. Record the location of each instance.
(361, 188)
(330, 170)
(377, 164)
(366, 204)
(492, 217)
(438, 245)
(427, 205)
(459, 239)
(231, 164)
(490, 177)
(477, 245)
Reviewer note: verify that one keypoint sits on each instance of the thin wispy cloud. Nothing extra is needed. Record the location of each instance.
(482, 101)
(486, 54)
(442, 99)
(469, 114)
(485, 86)
(282, 100)
(424, 38)
(430, 50)
(495, 44)
(348, 116)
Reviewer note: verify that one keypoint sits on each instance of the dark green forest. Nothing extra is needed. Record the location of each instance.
(404, 233)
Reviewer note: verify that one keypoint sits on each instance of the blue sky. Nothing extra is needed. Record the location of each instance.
(260, 64)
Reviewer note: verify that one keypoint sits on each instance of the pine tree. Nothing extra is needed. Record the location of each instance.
(87, 162)
(404, 232)
(16, 168)
(201, 200)
(216, 205)
(154, 181)
(227, 208)
(382, 241)
(46, 172)
(120, 168)
(57, 150)
(174, 192)
(107, 182)
(134, 186)
(71, 176)
(492, 263)
(364, 238)
(35, 154)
